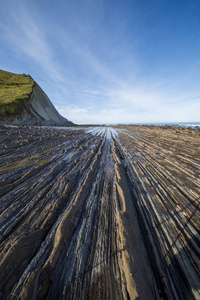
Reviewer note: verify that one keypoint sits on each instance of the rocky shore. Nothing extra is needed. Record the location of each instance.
(99, 213)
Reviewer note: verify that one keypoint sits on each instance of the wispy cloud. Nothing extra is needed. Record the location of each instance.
(97, 67)
(30, 40)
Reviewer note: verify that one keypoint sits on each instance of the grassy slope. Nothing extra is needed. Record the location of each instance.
(14, 89)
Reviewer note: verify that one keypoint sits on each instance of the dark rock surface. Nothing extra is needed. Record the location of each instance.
(110, 213)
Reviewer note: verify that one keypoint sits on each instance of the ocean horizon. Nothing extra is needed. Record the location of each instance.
(182, 124)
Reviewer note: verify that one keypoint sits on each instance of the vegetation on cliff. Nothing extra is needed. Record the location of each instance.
(14, 90)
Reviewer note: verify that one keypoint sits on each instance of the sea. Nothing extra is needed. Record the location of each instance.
(182, 124)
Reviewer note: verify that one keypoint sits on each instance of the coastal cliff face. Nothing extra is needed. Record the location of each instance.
(40, 109)
(22, 101)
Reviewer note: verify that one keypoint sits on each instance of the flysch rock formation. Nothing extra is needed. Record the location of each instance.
(99, 213)
(22, 101)
(40, 110)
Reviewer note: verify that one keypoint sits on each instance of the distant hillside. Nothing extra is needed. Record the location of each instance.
(22, 101)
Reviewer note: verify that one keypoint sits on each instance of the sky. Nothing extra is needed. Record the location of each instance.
(108, 61)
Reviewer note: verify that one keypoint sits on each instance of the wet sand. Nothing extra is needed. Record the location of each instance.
(99, 213)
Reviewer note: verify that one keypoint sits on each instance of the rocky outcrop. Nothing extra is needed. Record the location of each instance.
(22, 101)
(39, 110)
(99, 213)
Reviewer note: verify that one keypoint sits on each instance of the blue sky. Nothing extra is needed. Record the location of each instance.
(106, 61)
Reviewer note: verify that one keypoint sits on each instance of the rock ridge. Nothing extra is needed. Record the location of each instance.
(23, 102)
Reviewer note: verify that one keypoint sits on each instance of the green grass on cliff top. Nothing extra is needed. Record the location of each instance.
(14, 89)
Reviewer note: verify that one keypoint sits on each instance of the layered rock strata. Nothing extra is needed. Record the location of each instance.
(39, 110)
(99, 213)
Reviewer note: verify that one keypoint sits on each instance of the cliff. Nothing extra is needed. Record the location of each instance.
(22, 101)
